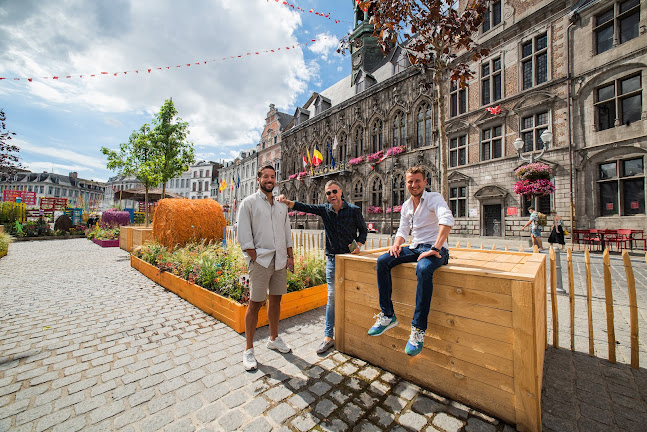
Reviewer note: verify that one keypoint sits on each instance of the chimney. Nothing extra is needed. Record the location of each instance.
(74, 175)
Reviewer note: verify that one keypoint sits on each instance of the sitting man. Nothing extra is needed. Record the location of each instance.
(428, 219)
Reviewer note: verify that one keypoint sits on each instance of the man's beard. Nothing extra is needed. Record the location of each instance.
(265, 186)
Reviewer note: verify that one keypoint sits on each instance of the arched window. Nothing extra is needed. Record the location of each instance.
(376, 192)
(359, 142)
(315, 197)
(376, 136)
(399, 130)
(326, 151)
(398, 190)
(424, 125)
(342, 145)
(358, 191)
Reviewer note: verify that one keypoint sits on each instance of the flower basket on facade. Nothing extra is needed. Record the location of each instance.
(534, 180)
(394, 209)
(375, 157)
(356, 161)
(393, 151)
(374, 210)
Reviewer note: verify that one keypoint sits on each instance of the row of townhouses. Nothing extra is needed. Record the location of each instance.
(568, 78)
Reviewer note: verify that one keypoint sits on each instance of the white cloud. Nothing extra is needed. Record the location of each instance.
(225, 102)
(87, 162)
(325, 45)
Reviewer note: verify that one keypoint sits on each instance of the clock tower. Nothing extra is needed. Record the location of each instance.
(365, 52)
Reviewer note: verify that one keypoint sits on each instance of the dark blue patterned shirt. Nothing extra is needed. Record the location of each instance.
(341, 228)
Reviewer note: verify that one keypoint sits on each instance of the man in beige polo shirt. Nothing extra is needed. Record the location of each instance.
(266, 240)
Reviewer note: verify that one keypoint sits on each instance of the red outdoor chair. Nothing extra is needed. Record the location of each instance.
(595, 240)
(638, 237)
(579, 236)
(622, 238)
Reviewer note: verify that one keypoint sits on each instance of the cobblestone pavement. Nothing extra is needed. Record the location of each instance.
(88, 343)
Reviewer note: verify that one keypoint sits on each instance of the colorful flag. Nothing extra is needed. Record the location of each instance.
(310, 161)
(335, 143)
(317, 157)
(332, 159)
(305, 161)
(494, 110)
(238, 183)
(223, 185)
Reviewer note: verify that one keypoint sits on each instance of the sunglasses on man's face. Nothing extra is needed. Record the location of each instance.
(332, 191)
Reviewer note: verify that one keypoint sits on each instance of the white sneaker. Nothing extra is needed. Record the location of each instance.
(279, 345)
(249, 361)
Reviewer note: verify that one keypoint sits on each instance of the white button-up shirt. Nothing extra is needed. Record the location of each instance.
(423, 225)
(266, 228)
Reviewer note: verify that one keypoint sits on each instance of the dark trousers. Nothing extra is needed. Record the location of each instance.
(424, 272)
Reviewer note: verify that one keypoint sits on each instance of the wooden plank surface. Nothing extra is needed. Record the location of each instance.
(608, 299)
(340, 302)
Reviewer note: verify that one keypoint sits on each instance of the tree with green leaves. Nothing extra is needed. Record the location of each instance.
(9, 160)
(138, 157)
(173, 151)
(437, 36)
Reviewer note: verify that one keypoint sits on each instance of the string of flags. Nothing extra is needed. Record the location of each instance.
(312, 11)
(152, 69)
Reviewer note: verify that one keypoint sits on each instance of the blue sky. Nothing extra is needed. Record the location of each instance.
(62, 124)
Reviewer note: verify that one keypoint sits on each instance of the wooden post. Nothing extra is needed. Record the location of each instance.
(587, 261)
(506, 248)
(482, 245)
(458, 244)
(553, 297)
(571, 295)
(494, 246)
(372, 243)
(379, 243)
(535, 249)
(301, 238)
(340, 300)
(633, 309)
(608, 299)
(521, 248)
(469, 246)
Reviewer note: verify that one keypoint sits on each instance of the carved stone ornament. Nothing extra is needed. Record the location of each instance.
(358, 43)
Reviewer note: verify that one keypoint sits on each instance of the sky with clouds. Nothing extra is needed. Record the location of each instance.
(61, 124)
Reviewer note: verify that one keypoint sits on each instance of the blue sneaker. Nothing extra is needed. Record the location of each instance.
(382, 324)
(416, 340)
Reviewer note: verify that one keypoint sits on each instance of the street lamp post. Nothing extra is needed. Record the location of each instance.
(546, 138)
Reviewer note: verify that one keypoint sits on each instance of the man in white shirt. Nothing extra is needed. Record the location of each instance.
(428, 219)
(266, 240)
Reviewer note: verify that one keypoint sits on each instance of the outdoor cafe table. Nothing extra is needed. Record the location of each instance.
(486, 334)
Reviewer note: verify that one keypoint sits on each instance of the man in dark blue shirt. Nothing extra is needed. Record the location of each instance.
(343, 224)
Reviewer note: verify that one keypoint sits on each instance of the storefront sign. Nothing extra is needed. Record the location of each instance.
(512, 211)
(634, 205)
(474, 212)
(610, 206)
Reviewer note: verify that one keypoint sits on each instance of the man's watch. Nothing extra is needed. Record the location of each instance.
(434, 248)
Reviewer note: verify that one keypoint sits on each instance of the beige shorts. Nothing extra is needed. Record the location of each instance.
(262, 280)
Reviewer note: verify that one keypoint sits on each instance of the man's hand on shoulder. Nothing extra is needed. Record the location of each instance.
(282, 199)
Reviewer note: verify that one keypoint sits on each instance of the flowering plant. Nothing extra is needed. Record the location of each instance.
(302, 174)
(293, 176)
(223, 270)
(374, 210)
(356, 161)
(301, 213)
(396, 150)
(539, 187)
(291, 213)
(375, 156)
(394, 209)
(534, 171)
(114, 218)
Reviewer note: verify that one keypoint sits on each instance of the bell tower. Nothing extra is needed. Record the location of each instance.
(365, 52)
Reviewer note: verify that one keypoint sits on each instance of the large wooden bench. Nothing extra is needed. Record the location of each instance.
(486, 334)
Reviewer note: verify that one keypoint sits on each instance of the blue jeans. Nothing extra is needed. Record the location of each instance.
(424, 273)
(330, 306)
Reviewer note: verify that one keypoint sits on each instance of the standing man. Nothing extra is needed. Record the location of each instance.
(535, 228)
(428, 219)
(343, 224)
(266, 240)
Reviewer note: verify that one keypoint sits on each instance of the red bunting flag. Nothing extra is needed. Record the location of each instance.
(494, 110)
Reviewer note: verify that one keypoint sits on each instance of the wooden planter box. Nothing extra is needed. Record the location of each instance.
(4, 253)
(486, 333)
(131, 236)
(106, 243)
(228, 311)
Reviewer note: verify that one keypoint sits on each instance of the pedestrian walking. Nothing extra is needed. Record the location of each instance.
(557, 230)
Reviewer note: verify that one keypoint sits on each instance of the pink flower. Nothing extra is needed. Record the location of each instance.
(374, 210)
(356, 161)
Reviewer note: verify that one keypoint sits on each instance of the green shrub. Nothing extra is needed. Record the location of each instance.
(5, 239)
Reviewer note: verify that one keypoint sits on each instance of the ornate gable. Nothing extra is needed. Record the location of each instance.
(491, 191)
(457, 176)
(534, 100)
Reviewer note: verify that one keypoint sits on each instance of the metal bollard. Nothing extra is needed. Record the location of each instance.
(558, 271)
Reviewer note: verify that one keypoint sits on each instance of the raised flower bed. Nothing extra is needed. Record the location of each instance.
(106, 243)
(214, 279)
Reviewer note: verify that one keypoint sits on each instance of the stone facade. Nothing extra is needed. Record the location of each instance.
(269, 148)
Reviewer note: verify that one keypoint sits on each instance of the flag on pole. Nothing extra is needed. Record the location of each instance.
(335, 143)
(332, 159)
(238, 184)
(317, 157)
(310, 161)
(223, 185)
(305, 161)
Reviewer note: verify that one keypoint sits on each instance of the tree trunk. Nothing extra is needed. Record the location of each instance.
(444, 182)
(146, 206)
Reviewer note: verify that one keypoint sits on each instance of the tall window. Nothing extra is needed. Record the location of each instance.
(376, 136)
(491, 81)
(534, 61)
(458, 201)
(326, 151)
(314, 197)
(194, 187)
(620, 22)
(399, 129)
(358, 191)
(492, 17)
(619, 101)
(428, 178)
(457, 99)
(359, 142)
(531, 129)
(458, 151)
(398, 190)
(376, 192)
(543, 204)
(342, 145)
(424, 125)
(491, 143)
(622, 187)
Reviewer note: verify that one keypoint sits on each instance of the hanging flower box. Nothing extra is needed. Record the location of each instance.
(375, 157)
(541, 187)
(293, 176)
(291, 213)
(374, 210)
(534, 171)
(393, 151)
(356, 161)
(395, 209)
